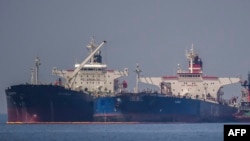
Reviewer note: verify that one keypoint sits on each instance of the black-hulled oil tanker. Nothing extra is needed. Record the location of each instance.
(47, 103)
(67, 100)
(189, 96)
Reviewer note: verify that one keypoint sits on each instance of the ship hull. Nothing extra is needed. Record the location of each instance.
(47, 103)
(158, 108)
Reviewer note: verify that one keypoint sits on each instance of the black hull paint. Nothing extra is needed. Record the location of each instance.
(47, 103)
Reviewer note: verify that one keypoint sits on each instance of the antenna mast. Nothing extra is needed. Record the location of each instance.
(37, 62)
(137, 71)
(190, 55)
(35, 71)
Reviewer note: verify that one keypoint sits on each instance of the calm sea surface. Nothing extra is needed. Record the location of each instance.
(110, 132)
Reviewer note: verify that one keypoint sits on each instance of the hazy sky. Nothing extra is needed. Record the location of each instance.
(153, 33)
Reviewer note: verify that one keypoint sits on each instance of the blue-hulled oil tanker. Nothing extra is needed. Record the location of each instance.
(189, 96)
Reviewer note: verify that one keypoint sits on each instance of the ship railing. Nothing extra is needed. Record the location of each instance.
(212, 101)
(38, 84)
(103, 94)
(245, 108)
(136, 98)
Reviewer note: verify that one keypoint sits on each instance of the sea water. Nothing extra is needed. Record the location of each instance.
(111, 132)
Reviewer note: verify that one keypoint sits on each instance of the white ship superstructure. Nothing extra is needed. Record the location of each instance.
(192, 83)
(92, 75)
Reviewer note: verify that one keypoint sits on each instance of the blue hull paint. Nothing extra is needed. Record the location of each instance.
(158, 108)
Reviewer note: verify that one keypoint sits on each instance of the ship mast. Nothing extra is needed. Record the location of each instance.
(245, 96)
(37, 62)
(137, 71)
(35, 72)
(246, 83)
(248, 86)
(190, 55)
